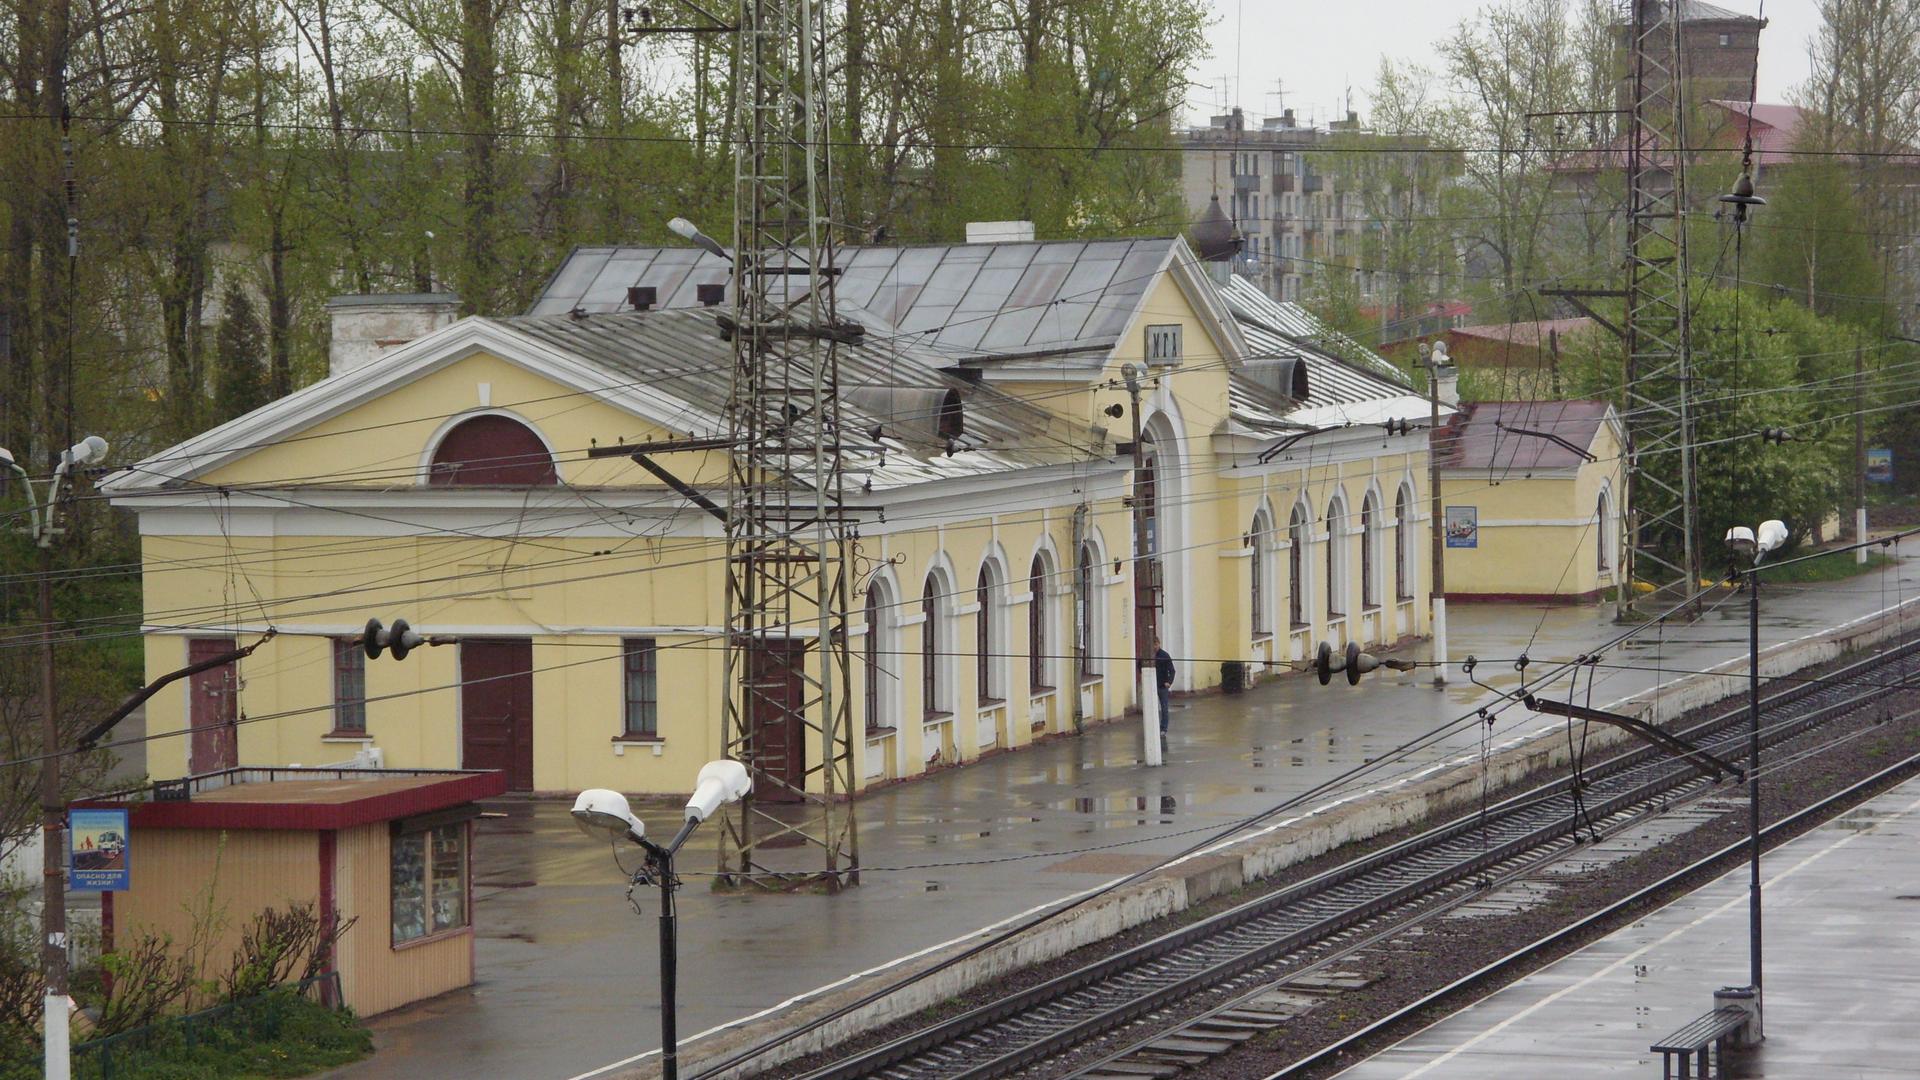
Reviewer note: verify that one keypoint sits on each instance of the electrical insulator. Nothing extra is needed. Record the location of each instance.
(400, 639)
(1354, 662)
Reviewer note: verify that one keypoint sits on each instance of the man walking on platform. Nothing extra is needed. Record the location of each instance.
(1163, 677)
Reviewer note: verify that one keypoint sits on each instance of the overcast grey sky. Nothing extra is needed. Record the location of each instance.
(1318, 48)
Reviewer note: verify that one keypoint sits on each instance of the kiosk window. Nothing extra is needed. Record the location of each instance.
(429, 882)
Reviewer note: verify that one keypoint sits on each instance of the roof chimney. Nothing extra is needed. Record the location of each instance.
(710, 294)
(999, 232)
(365, 328)
(642, 297)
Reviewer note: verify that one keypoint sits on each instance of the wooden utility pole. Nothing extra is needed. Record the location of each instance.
(1145, 578)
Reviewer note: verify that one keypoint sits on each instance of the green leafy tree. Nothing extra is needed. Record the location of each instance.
(240, 371)
(1509, 63)
(1762, 362)
(1808, 243)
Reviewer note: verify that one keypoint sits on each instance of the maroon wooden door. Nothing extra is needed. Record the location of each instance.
(211, 709)
(776, 675)
(496, 708)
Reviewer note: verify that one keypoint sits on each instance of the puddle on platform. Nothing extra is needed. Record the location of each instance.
(1862, 819)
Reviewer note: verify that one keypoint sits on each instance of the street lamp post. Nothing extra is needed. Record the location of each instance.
(603, 813)
(53, 909)
(1746, 543)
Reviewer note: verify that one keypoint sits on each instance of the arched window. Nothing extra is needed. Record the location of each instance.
(1603, 533)
(1086, 663)
(1259, 600)
(878, 654)
(1037, 625)
(1298, 529)
(492, 451)
(1336, 559)
(1369, 551)
(932, 691)
(1402, 551)
(983, 650)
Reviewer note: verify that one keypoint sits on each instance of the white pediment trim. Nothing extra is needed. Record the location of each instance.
(1188, 272)
(339, 394)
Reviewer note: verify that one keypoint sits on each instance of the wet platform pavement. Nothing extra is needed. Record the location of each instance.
(1842, 983)
(567, 970)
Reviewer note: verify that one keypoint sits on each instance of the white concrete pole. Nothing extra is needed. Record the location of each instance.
(1150, 714)
(59, 1063)
(1438, 368)
(1860, 533)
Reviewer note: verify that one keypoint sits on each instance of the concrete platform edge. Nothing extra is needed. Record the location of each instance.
(1270, 850)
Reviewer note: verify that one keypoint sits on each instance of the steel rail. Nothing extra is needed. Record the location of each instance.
(1039, 1022)
(1548, 823)
(1515, 962)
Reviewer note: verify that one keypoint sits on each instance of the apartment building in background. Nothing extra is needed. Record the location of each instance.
(1298, 223)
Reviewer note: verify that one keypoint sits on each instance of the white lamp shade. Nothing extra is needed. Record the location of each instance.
(1772, 535)
(719, 782)
(88, 450)
(601, 814)
(682, 228)
(1739, 534)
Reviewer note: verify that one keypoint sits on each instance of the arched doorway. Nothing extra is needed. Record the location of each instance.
(1162, 602)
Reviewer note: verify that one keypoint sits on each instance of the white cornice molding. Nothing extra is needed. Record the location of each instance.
(421, 511)
(1512, 476)
(1238, 454)
(969, 498)
(601, 512)
(354, 630)
(1535, 523)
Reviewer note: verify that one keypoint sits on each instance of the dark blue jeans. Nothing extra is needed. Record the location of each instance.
(1165, 693)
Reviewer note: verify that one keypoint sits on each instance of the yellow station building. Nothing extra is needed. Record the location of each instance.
(440, 474)
(1534, 495)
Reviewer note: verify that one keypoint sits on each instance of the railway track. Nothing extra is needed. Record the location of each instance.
(1307, 923)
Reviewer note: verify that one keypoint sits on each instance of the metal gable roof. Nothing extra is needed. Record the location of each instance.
(1281, 321)
(1482, 436)
(681, 354)
(1339, 390)
(972, 299)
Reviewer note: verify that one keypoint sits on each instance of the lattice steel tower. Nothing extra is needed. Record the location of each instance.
(787, 712)
(1661, 547)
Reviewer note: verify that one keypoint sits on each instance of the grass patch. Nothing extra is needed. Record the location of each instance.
(1838, 566)
(281, 1034)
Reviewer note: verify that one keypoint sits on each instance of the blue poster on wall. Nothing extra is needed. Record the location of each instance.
(1463, 526)
(99, 850)
(1880, 465)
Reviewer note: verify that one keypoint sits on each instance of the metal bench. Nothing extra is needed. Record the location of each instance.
(1690, 1045)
